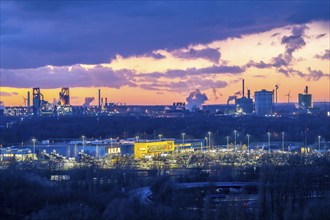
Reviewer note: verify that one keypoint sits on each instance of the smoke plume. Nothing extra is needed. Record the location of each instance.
(231, 98)
(196, 99)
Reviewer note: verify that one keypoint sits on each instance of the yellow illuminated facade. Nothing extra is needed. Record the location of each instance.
(142, 149)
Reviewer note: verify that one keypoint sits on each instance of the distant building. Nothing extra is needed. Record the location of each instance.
(305, 100)
(142, 149)
(244, 104)
(284, 108)
(2, 109)
(11, 154)
(264, 102)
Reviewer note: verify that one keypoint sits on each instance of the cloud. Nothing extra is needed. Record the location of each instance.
(320, 36)
(275, 34)
(259, 76)
(312, 75)
(283, 61)
(7, 94)
(155, 55)
(324, 56)
(183, 85)
(210, 54)
(293, 42)
(73, 76)
(177, 73)
(260, 65)
(62, 33)
(214, 91)
(315, 75)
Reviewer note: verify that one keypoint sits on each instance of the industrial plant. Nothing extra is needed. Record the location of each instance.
(264, 104)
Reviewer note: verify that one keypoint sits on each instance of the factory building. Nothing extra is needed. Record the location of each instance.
(189, 145)
(64, 97)
(305, 100)
(244, 105)
(37, 99)
(10, 154)
(264, 102)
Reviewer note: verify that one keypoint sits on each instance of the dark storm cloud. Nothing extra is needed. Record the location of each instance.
(324, 56)
(39, 33)
(56, 77)
(210, 54)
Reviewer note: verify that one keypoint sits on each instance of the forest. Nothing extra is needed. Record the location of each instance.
(294, 191)
(300, 128)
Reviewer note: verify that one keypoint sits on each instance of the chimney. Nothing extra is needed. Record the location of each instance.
(306, 91)
(101, 101)
(28, 101)
(106, 101)
(243, 88)
(248, 93)
(99, 98)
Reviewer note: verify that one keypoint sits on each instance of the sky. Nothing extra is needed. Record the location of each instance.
(156, 53)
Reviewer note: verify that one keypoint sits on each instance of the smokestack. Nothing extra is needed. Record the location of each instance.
(28, 100)
(106, 101)
(243, 88)
(248, 93)
(306, 91)
(101, 101)
(99, 98)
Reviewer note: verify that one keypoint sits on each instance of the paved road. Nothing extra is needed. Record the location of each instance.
(144, 193)
(218, 184)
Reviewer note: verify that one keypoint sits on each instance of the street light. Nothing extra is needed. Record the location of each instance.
(248, 147)
(206, 141)
(227, 137)
(111, 142)
(235, 139)
(34, 145)
(83, 140)
(183, 134)
(160, 136)
(209, 138)
(268, 133)
(319, 139)
(282, 140)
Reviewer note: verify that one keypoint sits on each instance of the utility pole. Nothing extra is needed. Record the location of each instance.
(282, 140)
(248, 147)
(235, 139)
(268, 133)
